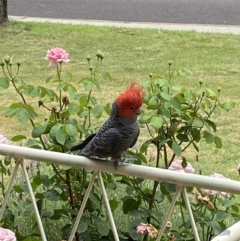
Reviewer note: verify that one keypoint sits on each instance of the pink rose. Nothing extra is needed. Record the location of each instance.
(141, 228)
(55, 56)
(176, 165)
(213, 192)
(7, 235)
(4, 140)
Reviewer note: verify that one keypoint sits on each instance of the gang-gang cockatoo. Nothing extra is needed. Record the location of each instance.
(119, 132)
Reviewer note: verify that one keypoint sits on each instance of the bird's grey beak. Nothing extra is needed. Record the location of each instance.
(139, 111)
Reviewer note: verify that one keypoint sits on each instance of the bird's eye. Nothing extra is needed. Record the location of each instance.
(131, 108)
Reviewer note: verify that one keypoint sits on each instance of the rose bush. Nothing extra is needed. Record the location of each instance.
(174, 117)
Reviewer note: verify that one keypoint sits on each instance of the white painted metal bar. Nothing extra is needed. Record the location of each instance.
(146, 172)
(90, 185)
(230, 234)
(4, 203)
(39, 220)
(181, 179)
(168, 213)
(105, 197)
(192, 221)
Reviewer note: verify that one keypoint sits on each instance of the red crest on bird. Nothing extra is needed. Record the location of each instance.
(130, 101)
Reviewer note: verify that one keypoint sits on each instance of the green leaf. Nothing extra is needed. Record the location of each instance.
(130, 204)
(60, 136)
(97, 111)
(7, 160)
(113, 204)
(37, 180)
(106, 76)
(167, 188)
(165, 96)
(188, 95)
(212, 124)
(176, 103)
(184, 162)
(73, 108)
(10, 112)
(71, 90)
(218, 142)
(197, 122)
(145, 117)
(31, 238)
(176, 148)
(107, 108)
(35, 92)
(22, 115)
(210, 93)
(182, 137)
(144, 146)
(195, 134)
(51, 94)
(52, 195)
(209, 138)
(156, 122)
(55, 128)
(45, 180)
(83, 100)
(33, 143)
(111, 185)
(88, 85)
(228, 105)
(228, 203)
(83, 129)
(68, 76)
(46, 214)
(18, 138)
(62, 85)
(38, 131)
(221, 215)
(82, 227)
(70, 129)
(4, 82)
(103, 229)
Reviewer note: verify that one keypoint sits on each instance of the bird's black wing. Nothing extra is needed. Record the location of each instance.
(84, 143)
(103, 144)
(135, 139)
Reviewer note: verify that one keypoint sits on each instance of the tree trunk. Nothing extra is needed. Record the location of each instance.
(3, 11)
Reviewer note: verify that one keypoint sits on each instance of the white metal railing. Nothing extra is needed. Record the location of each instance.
(180, 179)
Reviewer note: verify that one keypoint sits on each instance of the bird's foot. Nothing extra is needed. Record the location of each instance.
(121, 161)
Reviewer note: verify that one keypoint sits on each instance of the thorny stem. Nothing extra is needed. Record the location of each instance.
(3, 187)
(165, 157)
(144, 195)
(149, 131)
(151, 204)
(59, 70)
(209, 229)
(215, 104)
(155, 185)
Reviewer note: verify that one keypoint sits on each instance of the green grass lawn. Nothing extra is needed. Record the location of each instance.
(130, 55)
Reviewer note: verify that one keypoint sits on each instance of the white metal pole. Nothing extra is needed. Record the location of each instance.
(105, 197)
(192, 221)
(230, 234)
(168, 213)
(9, 189)
(39, 220)
(90, 185)
(152, 173)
